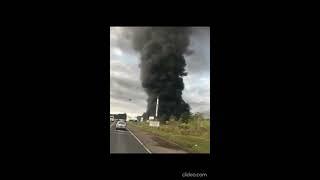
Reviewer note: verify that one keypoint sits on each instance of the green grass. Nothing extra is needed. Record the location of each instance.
(193, 136)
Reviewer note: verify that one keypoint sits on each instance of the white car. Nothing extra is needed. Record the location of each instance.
(111, 118)
(121, 125)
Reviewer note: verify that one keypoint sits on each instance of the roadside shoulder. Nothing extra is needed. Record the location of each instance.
(155, 143)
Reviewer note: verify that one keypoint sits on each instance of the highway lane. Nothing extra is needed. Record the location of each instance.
(122, 141)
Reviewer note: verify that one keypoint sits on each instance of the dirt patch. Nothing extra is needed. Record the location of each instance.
(165, 144)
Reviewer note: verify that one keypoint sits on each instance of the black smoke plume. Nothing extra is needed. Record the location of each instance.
(162, 51)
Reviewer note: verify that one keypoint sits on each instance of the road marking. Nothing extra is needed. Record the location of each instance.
(121, 133)
(112, 124)
(117, 130)
(140, 142)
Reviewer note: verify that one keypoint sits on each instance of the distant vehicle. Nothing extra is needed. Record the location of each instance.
(140, 118)
(132, 118)
(118, 117)
(121, 125)
(122, 117)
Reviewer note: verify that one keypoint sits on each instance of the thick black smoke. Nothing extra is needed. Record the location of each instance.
(162, 67)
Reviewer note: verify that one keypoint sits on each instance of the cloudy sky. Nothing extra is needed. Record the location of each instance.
(126, 92)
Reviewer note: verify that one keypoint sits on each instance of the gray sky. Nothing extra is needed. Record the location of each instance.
(125, 74)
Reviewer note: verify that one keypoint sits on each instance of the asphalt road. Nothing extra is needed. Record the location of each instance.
(122, 141)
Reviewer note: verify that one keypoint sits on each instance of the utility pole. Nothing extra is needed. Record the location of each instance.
(155, 122)
(157, 107)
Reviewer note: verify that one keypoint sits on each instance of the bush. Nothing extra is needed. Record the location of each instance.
(184, 126)
(185, 132)
(203, 129)
(173, 123)
(172, 118)
(185, 117)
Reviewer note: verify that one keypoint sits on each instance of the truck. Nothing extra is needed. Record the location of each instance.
(140, 118)
(132, 118)
(119, 117)
(122, 117)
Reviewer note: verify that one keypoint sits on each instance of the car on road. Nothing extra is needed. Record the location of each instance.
(121, 125)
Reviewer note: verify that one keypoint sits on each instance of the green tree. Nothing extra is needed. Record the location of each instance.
(185, 117)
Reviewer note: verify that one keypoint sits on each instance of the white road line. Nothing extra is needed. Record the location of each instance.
(112, 124)
(140, 142)
(121, 133)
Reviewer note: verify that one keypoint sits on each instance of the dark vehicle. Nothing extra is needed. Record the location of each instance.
(122, 117)
(118, 117)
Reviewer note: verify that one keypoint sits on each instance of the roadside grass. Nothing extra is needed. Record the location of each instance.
(193, 136)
